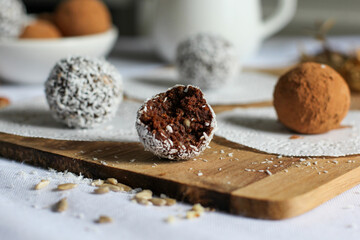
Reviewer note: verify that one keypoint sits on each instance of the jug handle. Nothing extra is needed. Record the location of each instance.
(282, 16)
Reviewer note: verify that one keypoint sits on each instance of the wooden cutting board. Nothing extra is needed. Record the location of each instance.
(226, 176)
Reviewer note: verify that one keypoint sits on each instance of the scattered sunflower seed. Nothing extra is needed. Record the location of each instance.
(198, 208)
(158, 201)
(66, 186)
(111, 181)
(97, 183)
(170, 219)
(124, 187)
(42, 184)
(104, 219)
(170, 201)
(192, 214)
(111, 187)
(145, 194)
(102, 190)
(143, 201)
(61, 205)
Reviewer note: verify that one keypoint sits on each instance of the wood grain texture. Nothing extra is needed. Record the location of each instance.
(226, 183)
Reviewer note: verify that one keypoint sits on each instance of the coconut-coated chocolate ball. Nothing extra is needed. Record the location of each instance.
(311, 98)
(177, 124)
(82, 17)
(12, 18)
(83, 92)
(206, 60)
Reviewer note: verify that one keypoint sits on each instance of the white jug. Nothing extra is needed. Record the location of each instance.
(239, 21)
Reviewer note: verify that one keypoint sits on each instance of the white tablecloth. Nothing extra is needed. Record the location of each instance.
(26, 213)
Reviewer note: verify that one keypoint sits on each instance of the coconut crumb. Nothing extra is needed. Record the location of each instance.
(170, 219)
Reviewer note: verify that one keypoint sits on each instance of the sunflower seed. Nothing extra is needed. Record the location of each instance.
(66, 186)
(158, 201)
(143, 201)
(111, 187)
(170, 219)
(192, 214)
(198, 208)
(104, 219)
(102, 190)
(170, 201)
(111, 181)
(61, 205)
(42, 184)
(145, 194)
(97, 183)
(124, 187)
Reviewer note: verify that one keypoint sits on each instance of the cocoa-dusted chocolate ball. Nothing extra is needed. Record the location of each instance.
(311, 98)
(41, 29)
(177, 124)
(82, 17)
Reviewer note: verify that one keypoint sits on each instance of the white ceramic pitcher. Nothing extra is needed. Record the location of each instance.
(240, 21)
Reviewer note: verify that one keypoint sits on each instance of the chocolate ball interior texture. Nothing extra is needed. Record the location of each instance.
(83, 92)
(206, 60)
(311, 98)
(177, 124)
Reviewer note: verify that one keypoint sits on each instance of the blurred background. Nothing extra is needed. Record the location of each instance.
(128, 13)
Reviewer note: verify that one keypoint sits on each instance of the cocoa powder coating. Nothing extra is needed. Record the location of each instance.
(41, 29)
(311, 98)
(82, 17)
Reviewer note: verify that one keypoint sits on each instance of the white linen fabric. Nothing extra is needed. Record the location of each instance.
(27, 214)
(260, 129)
(33, 119)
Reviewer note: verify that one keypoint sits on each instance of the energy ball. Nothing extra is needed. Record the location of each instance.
(83, 92)
(41, 29)
(311, 98)
(206, 60)
(177, 124)
(12, 18)
(82, 17)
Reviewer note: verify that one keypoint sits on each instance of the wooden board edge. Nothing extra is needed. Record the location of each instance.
(277, 209)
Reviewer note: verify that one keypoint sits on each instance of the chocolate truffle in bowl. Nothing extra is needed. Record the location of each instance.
(12, 18)
(82, 17)
(83, 92)
(40, 29)
(206, 60)
(177, 124)
(311, 98)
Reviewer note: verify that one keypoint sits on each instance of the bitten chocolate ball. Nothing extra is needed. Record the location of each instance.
(41, 29)
(206, 61)
(12, 18)
(311, 98)
(82, 17)
(177, 124)
(83, 92)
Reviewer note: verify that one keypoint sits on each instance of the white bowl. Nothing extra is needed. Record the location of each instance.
(30, 61)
